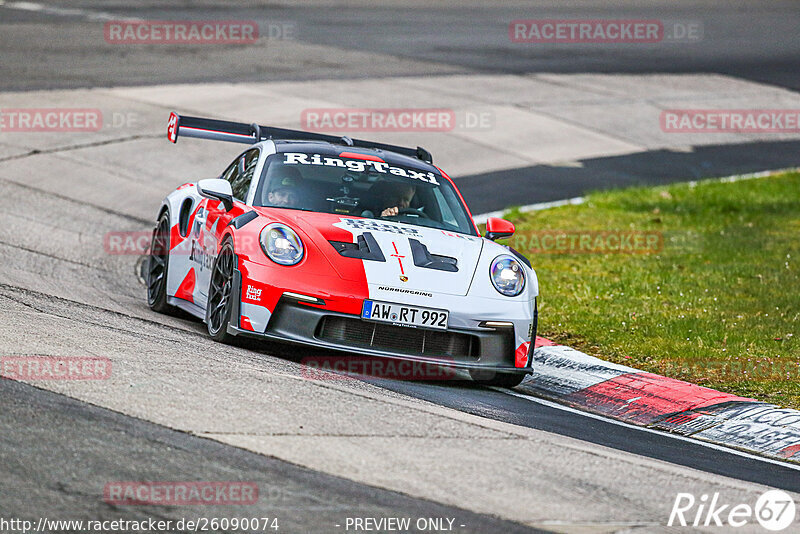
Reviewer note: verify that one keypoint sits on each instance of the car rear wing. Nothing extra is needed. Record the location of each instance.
(239, 132)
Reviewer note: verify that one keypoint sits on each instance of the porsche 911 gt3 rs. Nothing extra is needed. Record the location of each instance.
(342, 244)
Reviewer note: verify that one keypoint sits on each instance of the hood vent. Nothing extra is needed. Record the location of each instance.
(365, 248)
(423, 258)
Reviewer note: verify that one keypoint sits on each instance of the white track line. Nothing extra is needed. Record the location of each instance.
(481, 218)
(740, 177)
(63, 11)
(650, 430)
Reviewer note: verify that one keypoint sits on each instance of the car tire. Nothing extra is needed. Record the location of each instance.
(487, 377)
(218, 309)
(157, 267)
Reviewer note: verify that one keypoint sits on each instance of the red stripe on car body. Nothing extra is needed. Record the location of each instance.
(398, 256)
(185, 291)
(356, 155)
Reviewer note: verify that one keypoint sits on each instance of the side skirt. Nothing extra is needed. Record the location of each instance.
(187, 306)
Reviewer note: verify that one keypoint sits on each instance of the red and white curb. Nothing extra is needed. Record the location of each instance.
(571, 377)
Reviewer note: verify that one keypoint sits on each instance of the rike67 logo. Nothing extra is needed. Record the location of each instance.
(774, 510)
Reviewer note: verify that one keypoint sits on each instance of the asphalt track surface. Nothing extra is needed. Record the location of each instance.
(38, 428)
(518, 410)
(655, 167)
(100, 445)
(62, 46)
(744, 39)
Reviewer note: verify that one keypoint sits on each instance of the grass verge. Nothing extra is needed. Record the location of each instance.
(714, 299)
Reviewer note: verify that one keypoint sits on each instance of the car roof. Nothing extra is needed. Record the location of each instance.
(335, 150)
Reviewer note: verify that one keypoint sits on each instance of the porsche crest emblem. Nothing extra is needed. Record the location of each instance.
(403, 278)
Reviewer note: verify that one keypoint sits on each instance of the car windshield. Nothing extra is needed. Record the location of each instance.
(359, 187)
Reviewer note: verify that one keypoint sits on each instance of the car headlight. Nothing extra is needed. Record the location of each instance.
(507, 276)
(281, 244)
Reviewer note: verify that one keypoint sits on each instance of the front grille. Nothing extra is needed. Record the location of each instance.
(397, 338)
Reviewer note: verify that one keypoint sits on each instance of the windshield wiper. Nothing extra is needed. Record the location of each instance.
(288, 208)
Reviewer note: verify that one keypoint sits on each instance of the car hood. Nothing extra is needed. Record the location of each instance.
(410, 257)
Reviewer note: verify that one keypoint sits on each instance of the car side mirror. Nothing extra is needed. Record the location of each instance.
(218, 189)
(498, 229)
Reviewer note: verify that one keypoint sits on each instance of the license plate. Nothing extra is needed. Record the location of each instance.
(404, 315)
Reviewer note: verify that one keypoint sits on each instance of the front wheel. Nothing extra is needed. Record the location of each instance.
(487, 377)
(218, 310)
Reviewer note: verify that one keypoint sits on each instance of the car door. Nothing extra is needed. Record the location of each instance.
(212, 218)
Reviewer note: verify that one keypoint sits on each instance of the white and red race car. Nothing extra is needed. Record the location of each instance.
(342, 244)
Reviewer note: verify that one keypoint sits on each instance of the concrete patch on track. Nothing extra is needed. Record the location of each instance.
(588, 383)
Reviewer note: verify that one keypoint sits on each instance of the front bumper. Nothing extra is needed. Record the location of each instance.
(486, 349)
